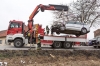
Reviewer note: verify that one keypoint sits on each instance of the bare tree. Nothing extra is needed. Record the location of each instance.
(87, 11)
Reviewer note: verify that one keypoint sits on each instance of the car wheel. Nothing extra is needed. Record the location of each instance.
(58, 31)
(83, 30)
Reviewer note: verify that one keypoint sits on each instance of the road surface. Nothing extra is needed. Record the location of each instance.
(9, 47)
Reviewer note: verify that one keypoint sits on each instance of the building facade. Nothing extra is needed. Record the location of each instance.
(97, 33)
(2, 37)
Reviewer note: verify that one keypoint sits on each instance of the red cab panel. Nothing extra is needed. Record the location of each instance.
(14, 27)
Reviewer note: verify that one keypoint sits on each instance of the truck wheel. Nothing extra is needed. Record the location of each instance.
(57, 44)
(18, 43)
(67, 45)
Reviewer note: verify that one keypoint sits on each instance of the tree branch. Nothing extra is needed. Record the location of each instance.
(94, 20)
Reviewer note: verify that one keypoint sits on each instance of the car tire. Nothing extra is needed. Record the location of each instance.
(58, 33)
(57, 44)
(18, 43)
(83, 30)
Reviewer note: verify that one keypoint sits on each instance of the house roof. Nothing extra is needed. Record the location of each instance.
(3, 33)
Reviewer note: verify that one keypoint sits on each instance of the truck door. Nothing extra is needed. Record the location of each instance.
(14, 28)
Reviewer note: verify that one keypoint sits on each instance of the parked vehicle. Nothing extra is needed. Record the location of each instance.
(92, 42)
(96, 42)
(71, 27)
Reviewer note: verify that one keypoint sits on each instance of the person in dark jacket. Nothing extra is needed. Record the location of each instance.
(47, 29)
(39, 42)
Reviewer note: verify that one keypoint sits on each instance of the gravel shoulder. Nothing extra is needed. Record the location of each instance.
(50, 57)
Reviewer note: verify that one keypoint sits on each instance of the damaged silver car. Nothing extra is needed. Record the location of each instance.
(70, 27)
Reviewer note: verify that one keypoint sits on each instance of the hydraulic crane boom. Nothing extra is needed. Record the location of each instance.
(42, 8)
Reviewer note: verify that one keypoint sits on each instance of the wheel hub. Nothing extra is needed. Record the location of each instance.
(18, 43)
(84, 30)
(67, 45)
(57, 44)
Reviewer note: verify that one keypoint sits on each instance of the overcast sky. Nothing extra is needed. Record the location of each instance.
(21, 10)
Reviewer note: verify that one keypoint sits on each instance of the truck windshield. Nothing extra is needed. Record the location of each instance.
(14, 25)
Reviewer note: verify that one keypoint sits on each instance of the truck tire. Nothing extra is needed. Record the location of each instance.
(18, 43)
(67, 45)
(57, 44)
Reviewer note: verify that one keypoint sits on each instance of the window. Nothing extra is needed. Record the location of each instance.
(0, 41)
(14, 25)
(71, 22)
(80, 23)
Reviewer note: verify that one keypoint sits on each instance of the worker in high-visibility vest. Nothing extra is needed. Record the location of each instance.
(39, 42)
(47, 29)
(29, 35)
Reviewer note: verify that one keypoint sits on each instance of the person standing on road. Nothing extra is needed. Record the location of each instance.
(47, 29)
(39, 42)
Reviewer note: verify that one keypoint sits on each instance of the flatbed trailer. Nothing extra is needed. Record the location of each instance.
(54, 41)
(61, 41)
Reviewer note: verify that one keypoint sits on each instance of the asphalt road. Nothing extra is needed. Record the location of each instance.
(8, 47)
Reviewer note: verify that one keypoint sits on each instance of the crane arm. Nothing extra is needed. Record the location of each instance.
(42, 8)
(47, 7)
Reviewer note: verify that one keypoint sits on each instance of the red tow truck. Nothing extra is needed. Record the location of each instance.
(17, 35)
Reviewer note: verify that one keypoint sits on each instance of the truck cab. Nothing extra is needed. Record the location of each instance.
(15, 27)
(18, 33)
(15, 32)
